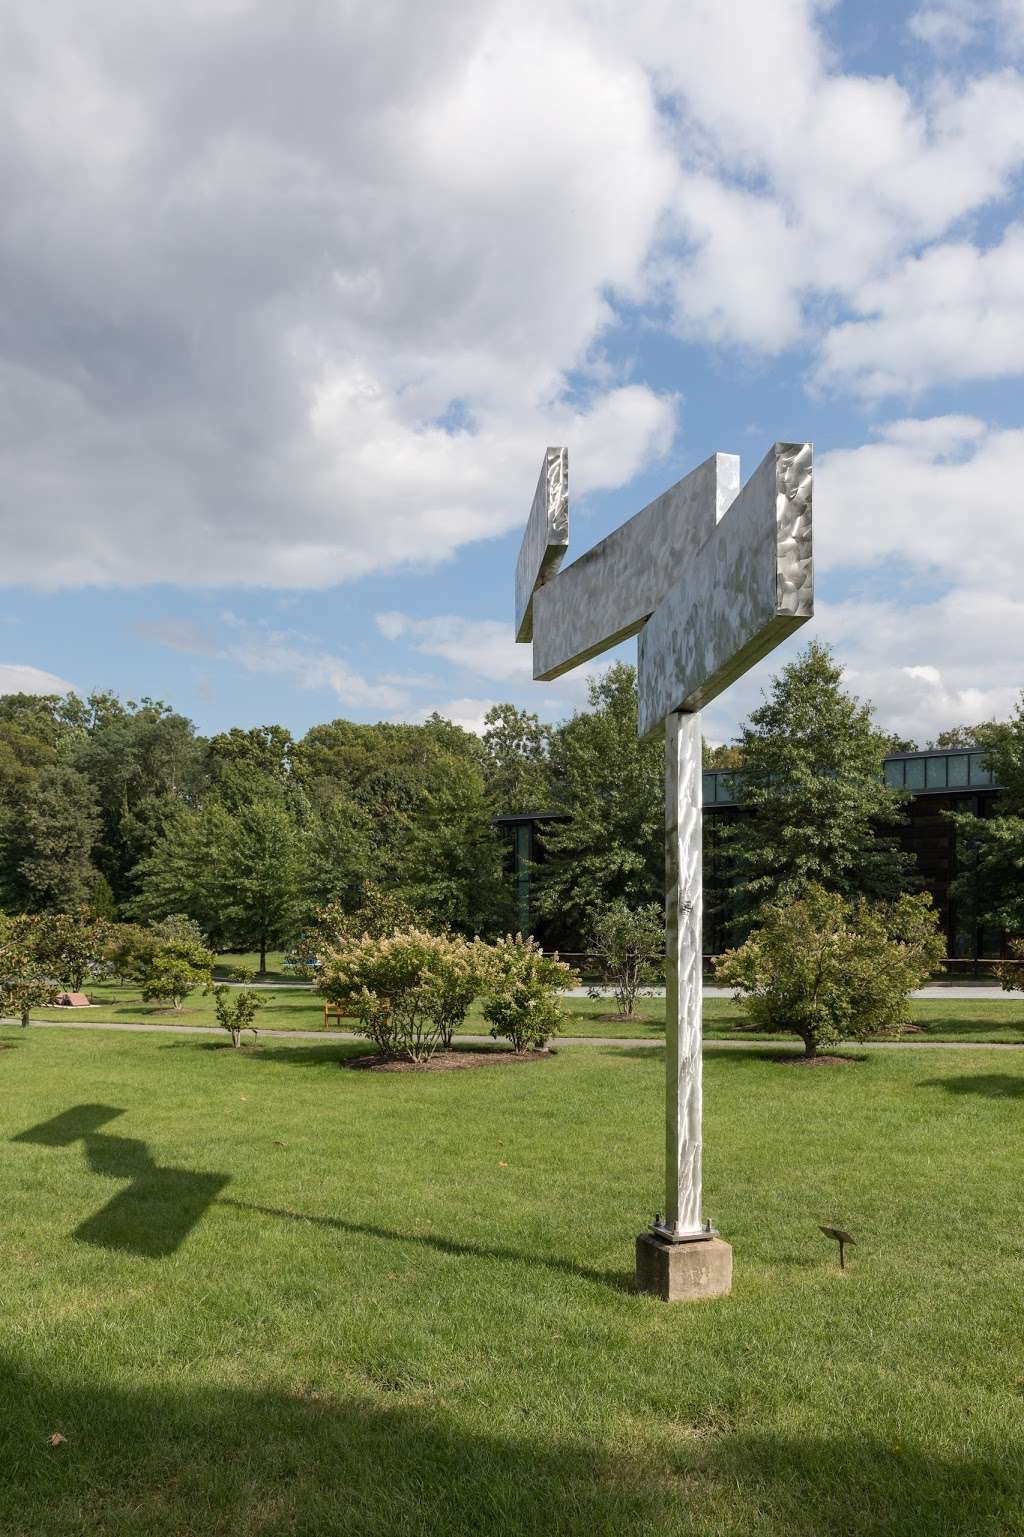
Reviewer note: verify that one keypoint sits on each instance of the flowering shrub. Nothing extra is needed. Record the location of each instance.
(521, 992)
(407, 992)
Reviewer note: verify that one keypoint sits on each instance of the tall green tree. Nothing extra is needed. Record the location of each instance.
(816, 808)
(612, 783)
(53, 842)
(258, 881)
(516, 767)
(989, 886)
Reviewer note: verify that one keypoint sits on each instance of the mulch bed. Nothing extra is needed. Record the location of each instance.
(447, 1061)
(821, 1061)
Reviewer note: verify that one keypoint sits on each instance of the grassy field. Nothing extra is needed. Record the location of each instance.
(942, 1019)
(258, 1294)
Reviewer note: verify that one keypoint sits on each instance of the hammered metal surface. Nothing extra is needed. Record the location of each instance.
(547, 536)
(793, 517)
(607, 594)
(683, 984)
(749, 586)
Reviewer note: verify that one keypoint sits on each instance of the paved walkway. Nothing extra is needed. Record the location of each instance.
(980, 990)
(983, 990)
(325, 1037)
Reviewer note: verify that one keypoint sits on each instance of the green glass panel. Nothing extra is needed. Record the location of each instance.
(935, 773)
(957, 770)
(915, 773)
(894, 774)
(710, 785)
(980, 775)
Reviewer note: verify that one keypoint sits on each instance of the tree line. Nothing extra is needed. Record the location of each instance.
(122, 810)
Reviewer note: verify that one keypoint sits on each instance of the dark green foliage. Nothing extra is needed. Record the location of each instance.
(613, 783)
(26, 982)
(50, 843)
(812, 789)
(989, 888)
(516, 765)
(68, 946)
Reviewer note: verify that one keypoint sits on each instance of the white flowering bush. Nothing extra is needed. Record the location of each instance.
(407, 992)
(521, 994)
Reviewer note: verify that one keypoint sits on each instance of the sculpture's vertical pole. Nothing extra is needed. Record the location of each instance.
(683, 976)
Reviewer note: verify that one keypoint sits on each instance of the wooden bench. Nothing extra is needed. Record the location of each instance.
(332, 1011)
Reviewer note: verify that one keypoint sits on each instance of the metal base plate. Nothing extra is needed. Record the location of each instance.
(667, 1235)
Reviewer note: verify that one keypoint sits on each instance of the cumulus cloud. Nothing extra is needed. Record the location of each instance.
(952, 24)
(953, 314)
(295, 295)
(298, 293)
(16, 678)
(486, 647)
(928, 510)
(935, 496)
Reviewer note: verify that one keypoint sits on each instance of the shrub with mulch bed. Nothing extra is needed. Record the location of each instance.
(447, 1061)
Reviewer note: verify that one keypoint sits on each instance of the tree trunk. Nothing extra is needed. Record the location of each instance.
(24, 1019)
(263, 955)
(810, 1047)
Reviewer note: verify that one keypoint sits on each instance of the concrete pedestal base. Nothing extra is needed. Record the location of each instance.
(683, 1272)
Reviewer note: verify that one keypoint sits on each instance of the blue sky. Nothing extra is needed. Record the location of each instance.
(295, 297)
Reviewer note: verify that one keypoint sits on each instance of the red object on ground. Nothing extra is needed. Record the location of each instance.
(73, 1000)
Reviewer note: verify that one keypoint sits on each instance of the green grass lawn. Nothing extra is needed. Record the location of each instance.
(940, 1019)
(259, 1294)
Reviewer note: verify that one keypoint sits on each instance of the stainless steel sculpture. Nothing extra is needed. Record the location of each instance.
(711, 578)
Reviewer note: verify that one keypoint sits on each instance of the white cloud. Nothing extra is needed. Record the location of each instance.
(950, 24)
(298, 295)
(954, 314)
(467, 713)
(16, 678)
(486, 647)
(927, 666)
(303, 659)
(939, 497)
(954, 24)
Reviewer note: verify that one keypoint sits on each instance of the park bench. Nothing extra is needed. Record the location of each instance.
(332, 1011)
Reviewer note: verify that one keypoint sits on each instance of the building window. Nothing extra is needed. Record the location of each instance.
(935, 773)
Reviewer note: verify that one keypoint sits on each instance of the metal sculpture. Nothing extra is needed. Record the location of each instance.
(711, 577)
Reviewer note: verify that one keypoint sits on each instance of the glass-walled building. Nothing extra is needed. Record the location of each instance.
(939, 782)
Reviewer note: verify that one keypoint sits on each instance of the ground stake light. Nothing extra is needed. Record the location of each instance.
(711, 577)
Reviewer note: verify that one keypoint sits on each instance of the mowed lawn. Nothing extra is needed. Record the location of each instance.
(260, 1293)
(998, 1018)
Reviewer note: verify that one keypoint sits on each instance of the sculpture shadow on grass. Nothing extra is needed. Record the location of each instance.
(165, 1460)
(159, 1207)
(987, 1085)
(618, 1280)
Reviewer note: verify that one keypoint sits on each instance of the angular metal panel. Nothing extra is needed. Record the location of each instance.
(748, 587)
(546, 539)
(609, 593)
